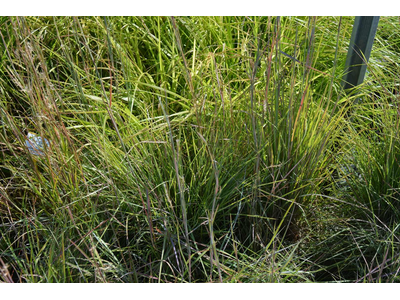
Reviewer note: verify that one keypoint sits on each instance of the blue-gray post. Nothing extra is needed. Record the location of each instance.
(361, 41)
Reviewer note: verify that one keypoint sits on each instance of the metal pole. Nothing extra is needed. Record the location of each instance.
(361, 41)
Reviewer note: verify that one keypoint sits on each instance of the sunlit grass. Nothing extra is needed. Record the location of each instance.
(195, 149)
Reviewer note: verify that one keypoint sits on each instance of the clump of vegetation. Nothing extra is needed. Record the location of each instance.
(196, 149)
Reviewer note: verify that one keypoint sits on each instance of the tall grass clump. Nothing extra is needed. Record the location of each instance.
(365, 207)
(191, 149)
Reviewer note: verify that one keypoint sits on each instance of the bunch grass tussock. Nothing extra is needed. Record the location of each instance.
(196, 149)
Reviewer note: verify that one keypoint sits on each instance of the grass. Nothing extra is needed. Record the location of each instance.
(197, 149)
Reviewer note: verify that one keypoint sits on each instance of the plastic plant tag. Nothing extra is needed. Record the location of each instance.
(35, 144)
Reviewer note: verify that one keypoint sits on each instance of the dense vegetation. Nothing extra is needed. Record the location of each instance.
(197, 149)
